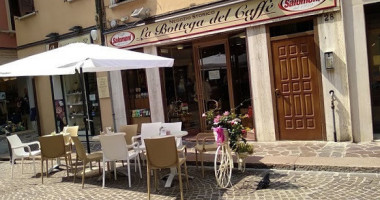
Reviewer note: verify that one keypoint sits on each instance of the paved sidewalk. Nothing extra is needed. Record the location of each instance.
(310, 155)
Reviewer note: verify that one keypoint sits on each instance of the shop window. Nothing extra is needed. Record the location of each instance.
(179, 83)
(20, 8)
(240, 77)
(15, 111)
(373, 41)
(136, 96)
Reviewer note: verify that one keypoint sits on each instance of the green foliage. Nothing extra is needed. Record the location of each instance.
(242, 147)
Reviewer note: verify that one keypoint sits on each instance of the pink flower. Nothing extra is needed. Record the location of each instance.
(216, 120)
(220, 135)
(226, 113)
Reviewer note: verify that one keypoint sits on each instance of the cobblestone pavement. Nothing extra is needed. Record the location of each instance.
(314, 149)
(304, 149)
(284, 185)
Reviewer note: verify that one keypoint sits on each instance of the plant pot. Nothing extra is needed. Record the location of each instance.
(241, 158)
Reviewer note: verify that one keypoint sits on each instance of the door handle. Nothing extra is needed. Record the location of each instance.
(277, 92)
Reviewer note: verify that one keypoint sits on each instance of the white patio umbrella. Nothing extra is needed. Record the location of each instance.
(89, 57)
(81, 57)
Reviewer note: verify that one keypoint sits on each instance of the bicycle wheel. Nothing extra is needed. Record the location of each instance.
(223, 165)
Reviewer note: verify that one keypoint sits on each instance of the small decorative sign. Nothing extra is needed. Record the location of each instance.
(214, 74)
(103, 89)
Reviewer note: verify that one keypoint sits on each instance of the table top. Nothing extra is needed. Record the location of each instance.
(177, 134)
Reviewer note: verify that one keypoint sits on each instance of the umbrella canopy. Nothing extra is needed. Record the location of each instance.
(91, 57)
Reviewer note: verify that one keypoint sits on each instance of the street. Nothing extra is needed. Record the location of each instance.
(284, 184)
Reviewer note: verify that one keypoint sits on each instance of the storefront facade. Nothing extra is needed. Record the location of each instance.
(275, 59)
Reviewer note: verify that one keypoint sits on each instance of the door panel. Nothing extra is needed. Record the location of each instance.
(296, 80)
(213, 69)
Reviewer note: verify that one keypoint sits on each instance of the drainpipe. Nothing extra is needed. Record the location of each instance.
(99, 23)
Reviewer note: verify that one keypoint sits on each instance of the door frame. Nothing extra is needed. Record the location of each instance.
(270, 39)
(198, 77)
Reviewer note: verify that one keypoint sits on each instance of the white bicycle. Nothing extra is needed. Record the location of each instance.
(223, 164)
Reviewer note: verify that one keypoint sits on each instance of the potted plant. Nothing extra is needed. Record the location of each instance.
(243, 150)
(229, 125)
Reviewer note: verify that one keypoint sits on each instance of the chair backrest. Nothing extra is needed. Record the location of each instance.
(52, 146)
(161, 152)
(173, 126)
(130, 131)
(81, 152)
(73, 130)
(114, 147)
(149, 130)
(14, 141)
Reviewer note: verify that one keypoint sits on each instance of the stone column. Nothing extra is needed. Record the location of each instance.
(331, 39)
(120, 117)
(358, 74)
(154, 89)
(261, 83)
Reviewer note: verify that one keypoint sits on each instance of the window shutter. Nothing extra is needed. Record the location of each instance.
(26, 6)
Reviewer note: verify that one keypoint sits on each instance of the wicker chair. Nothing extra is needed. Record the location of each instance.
(85, 158)
(130, 131)
(204, 145)
(162, 153)
(52, 147)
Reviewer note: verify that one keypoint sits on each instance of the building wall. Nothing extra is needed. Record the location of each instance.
(157, 7)
(57, 17)
(357, 64)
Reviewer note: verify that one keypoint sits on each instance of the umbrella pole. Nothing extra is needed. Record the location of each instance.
(85, 107)
(113, 110)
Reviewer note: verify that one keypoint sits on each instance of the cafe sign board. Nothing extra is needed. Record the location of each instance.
(235, 15)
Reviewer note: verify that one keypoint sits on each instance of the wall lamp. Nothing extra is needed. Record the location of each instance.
(141, 13)
(76, 29)
(53, 35)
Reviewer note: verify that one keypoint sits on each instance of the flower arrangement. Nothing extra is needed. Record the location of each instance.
(236, 131)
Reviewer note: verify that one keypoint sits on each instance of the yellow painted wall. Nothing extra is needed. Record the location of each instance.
(55, 16)
(157, 7)
(45, 105)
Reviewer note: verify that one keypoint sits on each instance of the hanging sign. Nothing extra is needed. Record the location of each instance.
(231, 16)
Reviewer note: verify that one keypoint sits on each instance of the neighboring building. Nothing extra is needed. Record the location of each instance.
(362, 32)
(11, 89)
(285, 55)
(42, 25)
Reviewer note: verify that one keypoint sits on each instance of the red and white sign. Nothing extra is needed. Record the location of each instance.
(122, 39)
(299, 5)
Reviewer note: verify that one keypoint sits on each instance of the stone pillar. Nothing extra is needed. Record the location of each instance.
(358, 74)
(260, 74)
(120, 117)
(154, 89)
(331, 39)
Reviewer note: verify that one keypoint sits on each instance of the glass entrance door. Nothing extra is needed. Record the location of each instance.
(214, 81)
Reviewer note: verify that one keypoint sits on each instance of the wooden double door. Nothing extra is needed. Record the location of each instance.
(297, 89)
